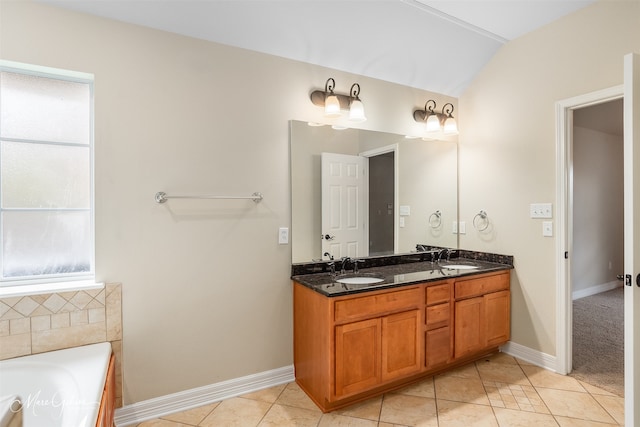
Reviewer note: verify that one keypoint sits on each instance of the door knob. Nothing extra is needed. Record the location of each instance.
(627, 279)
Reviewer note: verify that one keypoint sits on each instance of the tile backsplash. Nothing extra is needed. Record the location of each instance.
(46, 322)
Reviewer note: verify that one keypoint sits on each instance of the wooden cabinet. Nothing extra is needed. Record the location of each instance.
(106, 411)
(437, 341)
(482, 314)
(351, 347)
(401, 344)
(358, 355)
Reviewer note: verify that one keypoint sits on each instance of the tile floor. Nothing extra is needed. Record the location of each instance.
(497, 391)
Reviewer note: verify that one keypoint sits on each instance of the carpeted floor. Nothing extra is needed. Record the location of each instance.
(598, 340)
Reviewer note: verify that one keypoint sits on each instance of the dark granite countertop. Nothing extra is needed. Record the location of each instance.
(397, 274)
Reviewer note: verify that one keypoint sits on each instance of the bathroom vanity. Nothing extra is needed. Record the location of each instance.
(353, 341)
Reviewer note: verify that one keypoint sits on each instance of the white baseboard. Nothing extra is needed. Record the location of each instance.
(529, 355)
(594, 290)
(188, 399)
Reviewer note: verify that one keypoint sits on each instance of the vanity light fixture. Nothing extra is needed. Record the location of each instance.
(435, 121)
(333, 102)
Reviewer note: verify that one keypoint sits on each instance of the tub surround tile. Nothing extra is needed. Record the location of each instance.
(19, 326)
(55, 321)
(113, 309)
(73, 336)
(54, 303)
(60, 320)
(40, 323)
(15, 346)
(25, 306)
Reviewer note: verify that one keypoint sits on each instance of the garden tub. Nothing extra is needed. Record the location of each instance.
(58, 388)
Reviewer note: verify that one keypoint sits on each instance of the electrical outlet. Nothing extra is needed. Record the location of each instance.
(454, 227)
(283, 235)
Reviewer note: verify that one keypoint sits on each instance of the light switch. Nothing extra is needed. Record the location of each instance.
(405, 210)
(540, 210)
(283, 236)
(547, 228)
(454, 227)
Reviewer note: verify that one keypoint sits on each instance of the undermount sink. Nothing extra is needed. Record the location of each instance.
(460, 266)
(359, 280)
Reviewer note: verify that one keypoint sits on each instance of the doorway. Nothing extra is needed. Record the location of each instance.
(567, 240)
(381, 204)
(597, 227)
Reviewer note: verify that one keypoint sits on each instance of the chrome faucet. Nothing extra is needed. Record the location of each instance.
(332, 268)
(443, 254)
(355, 264)
(344, 260)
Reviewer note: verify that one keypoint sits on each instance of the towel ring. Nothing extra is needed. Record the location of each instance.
(479, 225)
(435, 219)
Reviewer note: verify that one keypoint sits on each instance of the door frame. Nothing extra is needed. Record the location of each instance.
(564, 226)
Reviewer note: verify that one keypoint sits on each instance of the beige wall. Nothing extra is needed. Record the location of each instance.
(507, 145)
(205, 286)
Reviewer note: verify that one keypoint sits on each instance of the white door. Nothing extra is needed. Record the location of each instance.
(632, 238)
(343, 189)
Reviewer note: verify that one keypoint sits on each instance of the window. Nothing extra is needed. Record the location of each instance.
(46, 175)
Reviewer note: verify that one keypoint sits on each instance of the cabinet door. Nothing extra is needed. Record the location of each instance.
(469, 332)
(401, 344)
(437, 347)
(358, 352)
(497, 318)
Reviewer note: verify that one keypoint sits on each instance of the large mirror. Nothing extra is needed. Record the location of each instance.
(408, 195)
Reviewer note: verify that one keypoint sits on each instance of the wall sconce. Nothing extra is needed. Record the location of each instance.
(333, 102)
(437, 121)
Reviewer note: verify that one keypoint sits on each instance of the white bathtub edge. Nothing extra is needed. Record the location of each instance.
(188, 399)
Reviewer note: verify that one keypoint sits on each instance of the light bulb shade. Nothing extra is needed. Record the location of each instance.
(332, 106)
(356, 111)
(450, 126)
(433, 123)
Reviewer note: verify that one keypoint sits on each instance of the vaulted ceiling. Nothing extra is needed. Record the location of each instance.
(433, 45)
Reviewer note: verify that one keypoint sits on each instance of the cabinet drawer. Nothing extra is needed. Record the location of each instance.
(481, 285)
(438, 315)
(438, 294)
(360, 307)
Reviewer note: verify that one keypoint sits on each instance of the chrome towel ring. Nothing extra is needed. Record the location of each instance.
(435, 219)
(481, 221)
